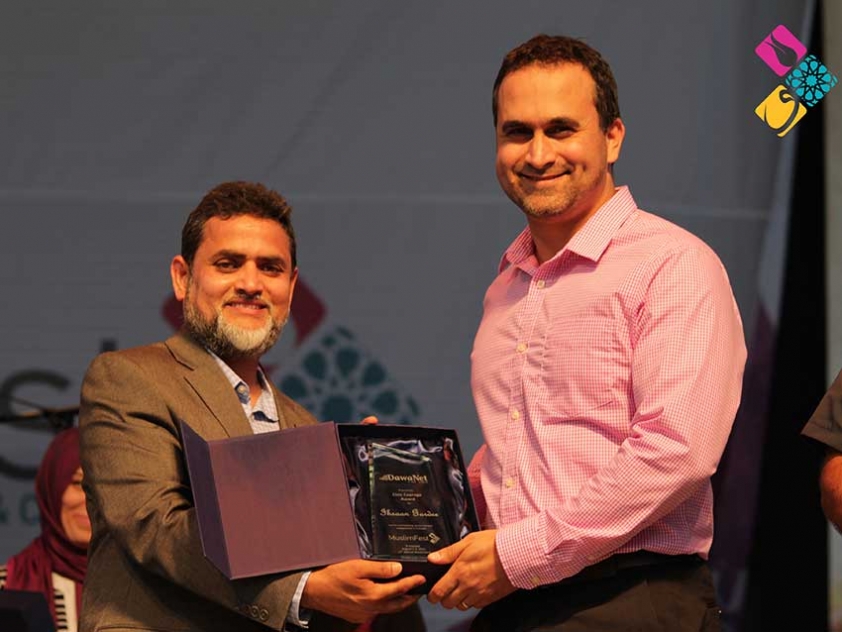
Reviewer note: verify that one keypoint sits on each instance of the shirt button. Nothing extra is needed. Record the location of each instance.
(521, 347)
(509, 483)
(536, 581)
(541, 284)
(515, 415)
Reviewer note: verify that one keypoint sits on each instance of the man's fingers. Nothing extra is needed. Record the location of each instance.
(448, 554)
(406, 584)
(379, 570)
(459, 598)
(399, 603)
(369, 421)
(398, 589)
(444, 587)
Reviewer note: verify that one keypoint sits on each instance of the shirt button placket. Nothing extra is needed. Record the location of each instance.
(515, 426)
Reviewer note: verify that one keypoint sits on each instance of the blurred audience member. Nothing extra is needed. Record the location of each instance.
(54, 563)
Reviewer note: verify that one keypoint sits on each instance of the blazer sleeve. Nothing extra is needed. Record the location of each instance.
(138, 491)
(825, 424)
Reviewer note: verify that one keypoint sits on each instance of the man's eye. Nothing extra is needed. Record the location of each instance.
(225, 264)
(518, 133)
(559, 132)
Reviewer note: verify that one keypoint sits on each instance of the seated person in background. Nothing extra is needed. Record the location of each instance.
(54, 563)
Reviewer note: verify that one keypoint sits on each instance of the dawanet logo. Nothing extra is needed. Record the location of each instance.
(806, 80)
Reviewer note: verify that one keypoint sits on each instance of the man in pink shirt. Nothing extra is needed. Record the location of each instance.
(606, 372)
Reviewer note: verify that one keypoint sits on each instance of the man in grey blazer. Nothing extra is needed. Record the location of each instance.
(235, 276)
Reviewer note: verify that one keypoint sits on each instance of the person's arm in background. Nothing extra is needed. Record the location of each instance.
(830, 482)
(825, 426)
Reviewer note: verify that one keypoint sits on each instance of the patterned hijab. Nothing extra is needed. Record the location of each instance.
(51, 551)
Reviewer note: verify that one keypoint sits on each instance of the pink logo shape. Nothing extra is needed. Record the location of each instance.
(781, 50)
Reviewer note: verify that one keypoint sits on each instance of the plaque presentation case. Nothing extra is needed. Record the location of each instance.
(311, 496)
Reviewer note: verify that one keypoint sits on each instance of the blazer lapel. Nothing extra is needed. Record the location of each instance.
(286, 415)
(210, 384)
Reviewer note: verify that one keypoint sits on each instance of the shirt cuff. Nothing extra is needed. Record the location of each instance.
(297, 615)
(520, 547)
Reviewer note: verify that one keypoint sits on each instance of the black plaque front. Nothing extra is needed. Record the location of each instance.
(408, 517)
(409, 491)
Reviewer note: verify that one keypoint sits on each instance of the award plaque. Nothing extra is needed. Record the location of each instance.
(408, 489)
(407, 518)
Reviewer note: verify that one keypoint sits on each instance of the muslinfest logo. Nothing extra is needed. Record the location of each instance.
(806, 80)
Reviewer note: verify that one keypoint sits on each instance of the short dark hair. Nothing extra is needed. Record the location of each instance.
(551, 50)
(231, 199)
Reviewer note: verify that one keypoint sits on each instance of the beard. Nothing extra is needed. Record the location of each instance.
(226, 340)
(546, 202)
(573, 191)
(545, 205)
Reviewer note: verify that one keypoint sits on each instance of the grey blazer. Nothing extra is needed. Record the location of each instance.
(146, 569)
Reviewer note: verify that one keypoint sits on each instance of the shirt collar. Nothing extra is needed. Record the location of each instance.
(266, 401)
(589, 242)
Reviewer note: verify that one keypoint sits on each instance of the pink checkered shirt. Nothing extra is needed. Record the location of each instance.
(606, 382)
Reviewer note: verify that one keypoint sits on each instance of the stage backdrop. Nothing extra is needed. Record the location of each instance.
(374, 119)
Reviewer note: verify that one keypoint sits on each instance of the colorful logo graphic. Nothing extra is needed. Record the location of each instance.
(806, 80)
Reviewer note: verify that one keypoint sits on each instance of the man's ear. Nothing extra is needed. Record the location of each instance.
(614, 136)
(180, 274)
(293, 279)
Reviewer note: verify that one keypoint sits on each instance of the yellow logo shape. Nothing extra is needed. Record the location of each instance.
(781, 110)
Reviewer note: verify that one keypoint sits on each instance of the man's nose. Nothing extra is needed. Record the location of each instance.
(540, 154)
(248, 279)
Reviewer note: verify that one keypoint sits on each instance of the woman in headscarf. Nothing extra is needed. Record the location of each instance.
(55, 562)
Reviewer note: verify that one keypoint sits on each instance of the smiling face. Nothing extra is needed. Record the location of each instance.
(74, 515)
(238, 291)
(552, 155)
